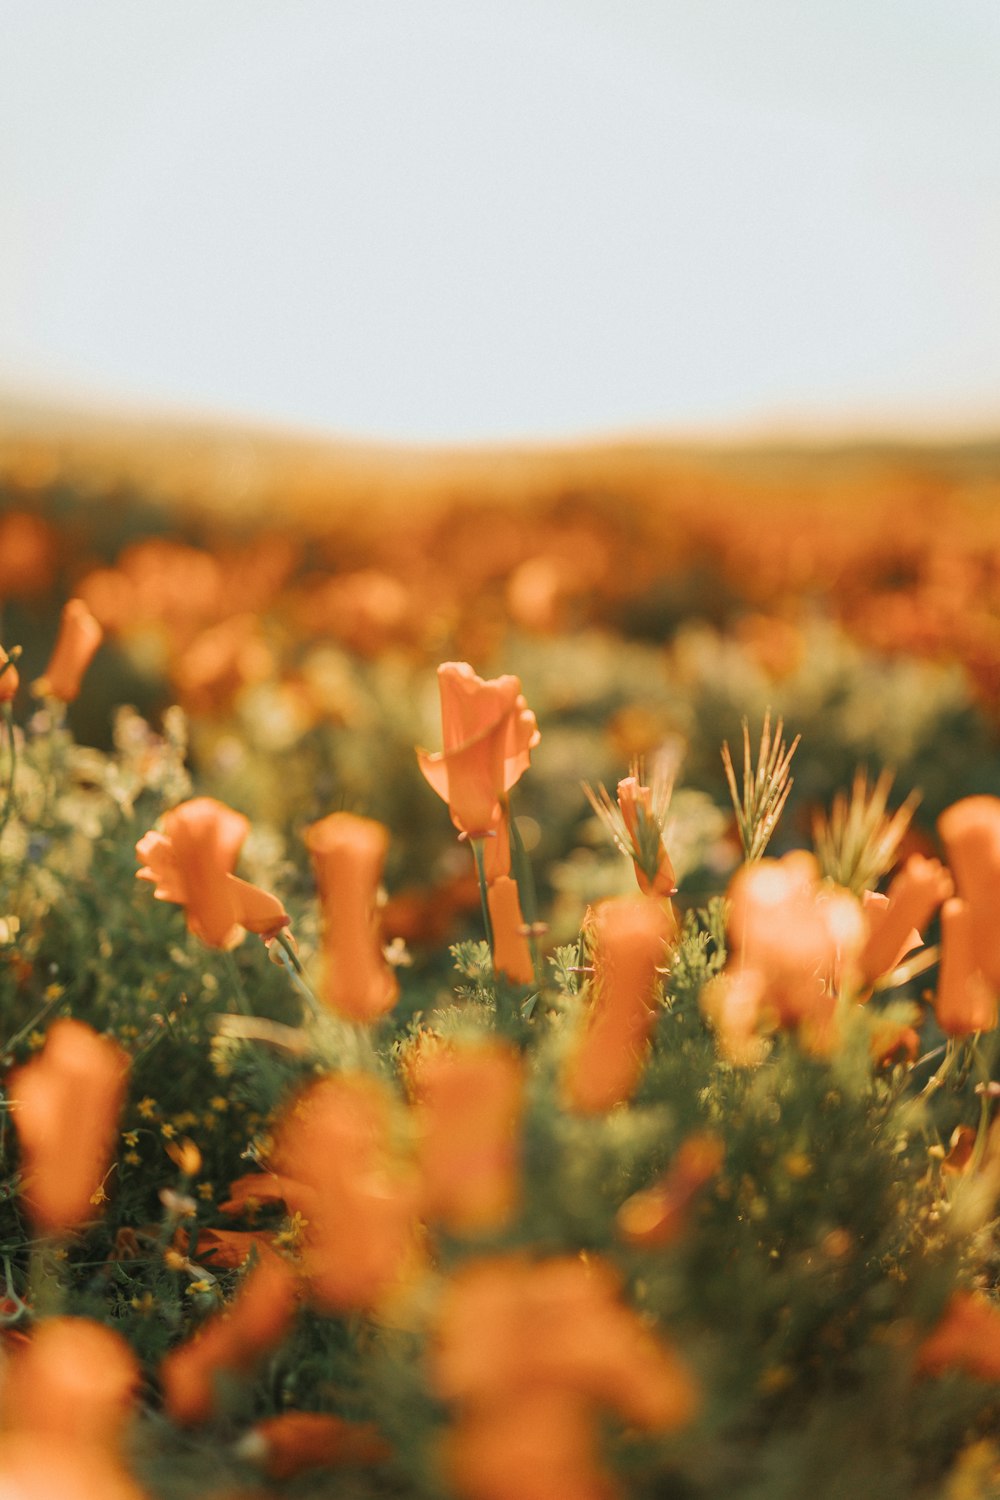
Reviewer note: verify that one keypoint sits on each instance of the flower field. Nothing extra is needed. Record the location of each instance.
(499, 994)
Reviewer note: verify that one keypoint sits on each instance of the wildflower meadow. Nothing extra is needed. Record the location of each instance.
(502, 1004)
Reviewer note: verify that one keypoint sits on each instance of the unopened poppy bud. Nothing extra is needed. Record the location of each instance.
(66, 1103)
(348, 853)
(9, 678)
(653, 869)
(629, 937)
(78, 639)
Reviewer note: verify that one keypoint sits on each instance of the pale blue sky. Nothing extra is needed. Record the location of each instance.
(538, 218)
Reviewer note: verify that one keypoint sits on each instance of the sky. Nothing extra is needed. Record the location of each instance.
(457, 221)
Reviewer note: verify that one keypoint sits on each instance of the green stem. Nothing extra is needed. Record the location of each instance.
(242, 999)
(984, 1068)
(293, 968)
(19, 1308)
(527, 895)
(8, 803)
(478, 855)
(45, 1288)
(37, 1021)
(288, 948)
(937, 1079)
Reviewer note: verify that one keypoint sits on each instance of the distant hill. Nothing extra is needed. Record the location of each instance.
(253, 471)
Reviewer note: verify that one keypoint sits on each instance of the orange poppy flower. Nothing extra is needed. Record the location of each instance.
(72, 1379)
(28, 552)
(967, 1338)
(231, 1341)
(61, 1470)
(357, 1200)
(894, 928)
(966, 1002)
(970, 831)
(511, 953)
(537, 1445)
(629, 937)
(66, 1103)
(489, 733)
(468, 1103)
(231, 1248)
(220, 661)
(508, 1324)
(298, 1440)
(78, 639)
(658, 1216)
(249, 1192)
(798, 937)
(347, 855)
(191, 864)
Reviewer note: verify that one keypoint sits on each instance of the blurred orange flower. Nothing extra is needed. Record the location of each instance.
(357, 1199)
(347, 855)
(511, 952)
(66, 1395)
(66, 1103)
(61, 1470)
(232, 1247)
(970, 831)
(27, 554)
(489, 733)
(248, 1193)
(298, 1440)
(799, 939)
(368, 610)
(540, 1444)
(231, 1341)
(468, 1103)
(967, 1338)
(551, 1338)
(734, 1005)
(628, 941)
(10, 680)
(74, 1379)
(191, 863)
(894, 928)
(221, 660)
(658, 1215)
(78, 639)
(966, 1002)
